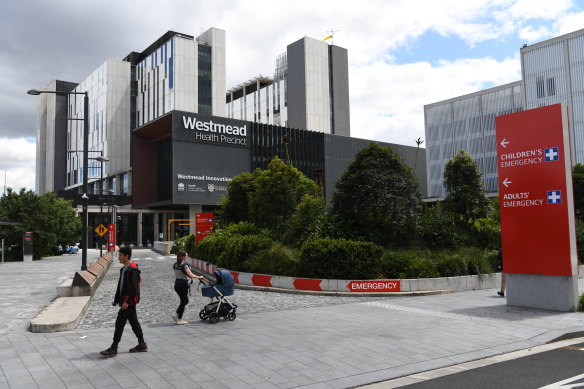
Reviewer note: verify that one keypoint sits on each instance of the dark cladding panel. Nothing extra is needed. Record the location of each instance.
(61, 113)
(144, 171)
(339, 81)
(201, 172)
(296, 92)
(199, 128)
(340, 152)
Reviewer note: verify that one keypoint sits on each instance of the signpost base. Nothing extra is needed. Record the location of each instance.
(557, 293)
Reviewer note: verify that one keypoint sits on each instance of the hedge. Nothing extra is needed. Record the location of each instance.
(340, 259)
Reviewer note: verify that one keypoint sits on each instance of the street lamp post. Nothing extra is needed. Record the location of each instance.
(101, 159)
(84, 197)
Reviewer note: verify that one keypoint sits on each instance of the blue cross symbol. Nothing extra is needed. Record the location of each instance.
(552, 154)
(554, 196)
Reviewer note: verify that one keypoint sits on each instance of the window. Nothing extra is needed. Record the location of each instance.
(540, 87)
(551, 86)
(124, 184)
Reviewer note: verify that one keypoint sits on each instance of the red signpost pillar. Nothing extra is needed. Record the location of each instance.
(537, 208)
(203, 225)
(111, 238)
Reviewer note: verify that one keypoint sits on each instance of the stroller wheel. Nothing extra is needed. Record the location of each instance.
(213, 318)
(203, 315)
(231, 315)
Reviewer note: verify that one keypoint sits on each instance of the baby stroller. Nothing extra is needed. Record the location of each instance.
(219, 307)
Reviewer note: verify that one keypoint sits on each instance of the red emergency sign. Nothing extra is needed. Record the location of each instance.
(203, 225)
(535, 192)
(375, 286)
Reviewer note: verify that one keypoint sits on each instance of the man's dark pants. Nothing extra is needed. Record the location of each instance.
(130, 315)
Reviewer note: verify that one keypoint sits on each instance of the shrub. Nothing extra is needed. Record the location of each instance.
(421, 268)
(466, 262)
(210, 248)
(395, 264)
(301, 224)
(238, 249)
(340, 259)
(190, 245)
(440, 228)
(486, 233)
(580, 240)
(242, 228)
(178, 244)
(277, 260)
(581, 305)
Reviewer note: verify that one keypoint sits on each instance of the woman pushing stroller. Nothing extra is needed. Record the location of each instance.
(182, 274)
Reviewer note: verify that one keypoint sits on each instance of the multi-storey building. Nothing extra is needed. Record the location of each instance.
(552, 72)
(159, 117)
(309, 89)
(177, 71)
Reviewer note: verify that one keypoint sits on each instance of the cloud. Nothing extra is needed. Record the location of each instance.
(68, 39)
(392, 98)
(532, 34)
(17, 157)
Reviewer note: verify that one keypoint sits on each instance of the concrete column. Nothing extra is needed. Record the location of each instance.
(557, 293)
(193, 209)
(171, 232)
(163, 227)
(139, 239)
(156, 227)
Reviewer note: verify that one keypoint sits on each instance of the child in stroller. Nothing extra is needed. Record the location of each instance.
(219, 307)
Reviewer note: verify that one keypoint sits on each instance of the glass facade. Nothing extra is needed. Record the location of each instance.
(261, 100)
(553, 72)
(204, 78)
(96, 85)
(467, 123)
(155, 83)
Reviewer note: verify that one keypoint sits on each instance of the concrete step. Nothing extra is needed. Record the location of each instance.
(63, 314)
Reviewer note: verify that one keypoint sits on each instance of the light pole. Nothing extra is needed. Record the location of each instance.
(84, 197)
(5, 182)
(101, 159)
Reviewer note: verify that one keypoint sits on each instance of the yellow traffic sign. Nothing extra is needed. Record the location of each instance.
(100, 230)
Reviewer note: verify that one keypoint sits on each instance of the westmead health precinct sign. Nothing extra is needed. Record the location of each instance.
(536, 204)
(214, 130)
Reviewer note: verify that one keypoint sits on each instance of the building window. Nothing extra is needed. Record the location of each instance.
(113, 184)
(540, 87)
(124, 184)
(551, 86)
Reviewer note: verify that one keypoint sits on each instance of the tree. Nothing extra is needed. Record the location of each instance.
(51, 219)
(278, 190)
(378, 198)
(235, 205)
(578, 184)
(466, 195)
(308, 213)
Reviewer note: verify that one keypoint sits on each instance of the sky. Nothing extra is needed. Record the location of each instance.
(403, 54)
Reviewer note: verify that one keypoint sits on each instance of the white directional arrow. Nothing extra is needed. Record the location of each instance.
(504, 143)
(506, 182)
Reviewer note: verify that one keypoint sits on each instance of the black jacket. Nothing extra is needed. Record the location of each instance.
(130, 292)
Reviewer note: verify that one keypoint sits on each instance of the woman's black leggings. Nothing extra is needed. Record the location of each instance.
(181, 287)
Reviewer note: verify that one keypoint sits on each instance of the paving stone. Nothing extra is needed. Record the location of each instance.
(277, 341)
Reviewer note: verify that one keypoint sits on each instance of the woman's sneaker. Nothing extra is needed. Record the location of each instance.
(181, 321)
(140, 348)
(175, 317)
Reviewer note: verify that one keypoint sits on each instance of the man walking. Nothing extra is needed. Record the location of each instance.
(127, 296)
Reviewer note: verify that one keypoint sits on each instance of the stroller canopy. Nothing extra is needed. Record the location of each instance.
(224, 277)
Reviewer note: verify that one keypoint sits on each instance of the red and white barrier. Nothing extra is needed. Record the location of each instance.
(312, 284)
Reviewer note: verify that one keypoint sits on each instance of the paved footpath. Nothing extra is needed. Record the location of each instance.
(319, 344)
